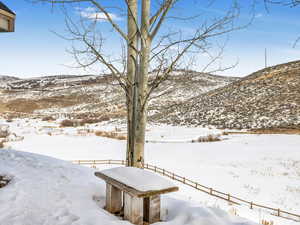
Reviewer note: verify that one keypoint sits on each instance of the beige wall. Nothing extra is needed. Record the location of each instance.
(4, 23)
(7, 21)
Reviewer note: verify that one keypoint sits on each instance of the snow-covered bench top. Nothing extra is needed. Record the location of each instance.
(138, 182)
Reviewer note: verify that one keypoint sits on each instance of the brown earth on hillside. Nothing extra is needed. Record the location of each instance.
(269, 98)
(81, 97)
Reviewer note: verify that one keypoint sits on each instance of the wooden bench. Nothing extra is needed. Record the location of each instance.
(135, 191)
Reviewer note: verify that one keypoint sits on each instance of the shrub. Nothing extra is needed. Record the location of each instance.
(48, 118)
(95, 120)
(84, 132)
(4, 133)
(208, 138)
(105, 118)
(67, 123)
(82, 122)
(109, 134)
(89, 121)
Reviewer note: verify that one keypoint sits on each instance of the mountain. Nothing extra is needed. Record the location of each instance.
(6, 79)
(269, 98)
(94, 96)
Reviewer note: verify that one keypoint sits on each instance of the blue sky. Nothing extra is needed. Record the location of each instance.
(33, 50)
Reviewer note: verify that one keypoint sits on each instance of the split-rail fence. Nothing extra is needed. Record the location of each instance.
(208, 190)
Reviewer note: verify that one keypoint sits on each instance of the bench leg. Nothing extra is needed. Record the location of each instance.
(113, 199)
(152, 209)
(133, 209)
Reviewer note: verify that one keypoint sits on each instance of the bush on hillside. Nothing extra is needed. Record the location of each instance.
(67, 123)
(48, 118)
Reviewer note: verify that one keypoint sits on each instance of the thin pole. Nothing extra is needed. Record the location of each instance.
(266, 58)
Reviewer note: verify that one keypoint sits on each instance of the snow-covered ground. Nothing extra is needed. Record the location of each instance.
(260, 168)
(47, 191)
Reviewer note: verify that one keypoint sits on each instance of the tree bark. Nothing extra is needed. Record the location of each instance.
(138, 120)
(141, 107)
(131, 70)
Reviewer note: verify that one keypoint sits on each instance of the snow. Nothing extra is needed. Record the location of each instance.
(260, 168)
(138, 179)
(48, 191)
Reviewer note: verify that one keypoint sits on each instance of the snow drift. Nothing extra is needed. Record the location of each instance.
(48, 191)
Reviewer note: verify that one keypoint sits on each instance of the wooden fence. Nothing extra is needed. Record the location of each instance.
(208, 190)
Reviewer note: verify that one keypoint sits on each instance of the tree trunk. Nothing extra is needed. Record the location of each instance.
(142, 80)
(131, 70)
(139, 104)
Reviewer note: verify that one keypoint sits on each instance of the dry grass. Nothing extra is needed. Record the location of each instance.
(84, 132)
(82, 122)
(208, 138)
(67, 123)
(48, 118)
(276, 131)
(4, 180)
(22, 105)
(265, 222)
(30, 105)
(1, 144)
(95, 120)
(266, 131)
(4, 133)
(110, 134)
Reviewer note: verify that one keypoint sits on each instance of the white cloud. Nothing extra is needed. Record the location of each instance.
(259, 15)
(91, 13)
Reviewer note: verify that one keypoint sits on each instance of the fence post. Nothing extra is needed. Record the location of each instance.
(172, 175)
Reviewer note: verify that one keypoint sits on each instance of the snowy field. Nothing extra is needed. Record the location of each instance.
(260, 168)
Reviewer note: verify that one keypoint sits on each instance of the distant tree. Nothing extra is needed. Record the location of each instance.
(145, 46)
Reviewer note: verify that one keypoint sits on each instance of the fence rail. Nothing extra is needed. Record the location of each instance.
(208, 190)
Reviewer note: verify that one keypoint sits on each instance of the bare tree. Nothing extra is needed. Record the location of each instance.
(287, 3)
(145, 47)
(291, 3)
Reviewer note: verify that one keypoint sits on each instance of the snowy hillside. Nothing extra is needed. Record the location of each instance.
(269, 98)
(47, 191)
(96, 95)
(4, 80)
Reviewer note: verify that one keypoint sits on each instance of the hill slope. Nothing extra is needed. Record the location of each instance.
(81, 95)
(269, 98)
